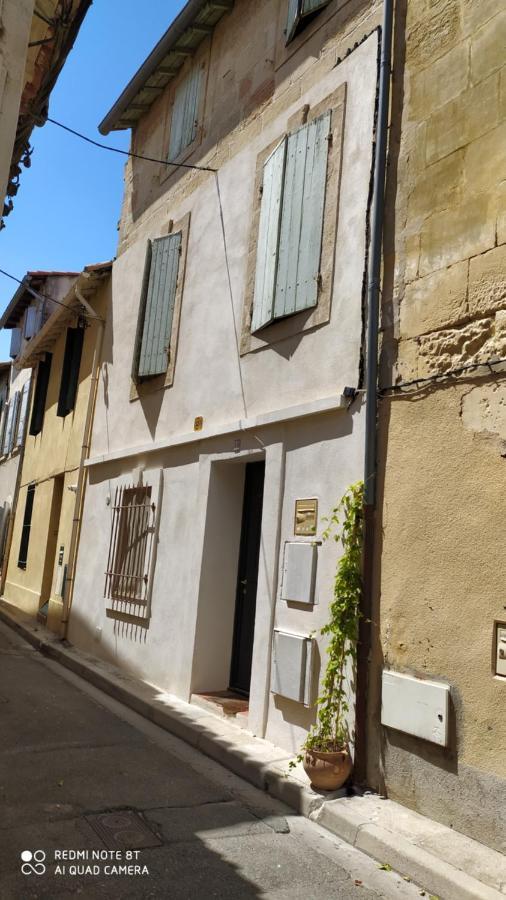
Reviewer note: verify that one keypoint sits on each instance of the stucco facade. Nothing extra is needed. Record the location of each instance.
(51, 463)
(233, 401)
(442, 469)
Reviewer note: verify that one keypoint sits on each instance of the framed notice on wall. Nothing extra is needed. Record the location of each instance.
(306, 517)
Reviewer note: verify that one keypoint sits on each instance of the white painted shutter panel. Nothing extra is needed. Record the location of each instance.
(268, 237)
(31, 317)
(22, 415)
(183, 128)
(301, 230)
(15, 342)
(159, 308)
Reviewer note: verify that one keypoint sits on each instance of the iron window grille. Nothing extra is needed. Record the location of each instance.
(131, 545)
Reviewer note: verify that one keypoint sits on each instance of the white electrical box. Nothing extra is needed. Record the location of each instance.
(292, 667)
(500, 662)
(415, 706)
(299, 572)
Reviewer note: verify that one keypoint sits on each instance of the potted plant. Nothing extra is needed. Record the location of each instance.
(325, 753)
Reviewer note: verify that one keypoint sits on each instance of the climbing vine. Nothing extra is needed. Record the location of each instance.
(345, 525)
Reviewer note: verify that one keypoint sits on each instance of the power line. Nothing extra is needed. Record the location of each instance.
(418, 384)
(162, 162)
(38, 296)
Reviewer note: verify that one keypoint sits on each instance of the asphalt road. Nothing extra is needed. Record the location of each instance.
(82, 778)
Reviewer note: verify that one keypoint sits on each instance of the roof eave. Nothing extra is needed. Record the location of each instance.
(184, 23)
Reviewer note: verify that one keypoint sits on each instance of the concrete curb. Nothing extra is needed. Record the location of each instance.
(380, 828)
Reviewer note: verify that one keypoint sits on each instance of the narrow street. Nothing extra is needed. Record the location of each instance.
(69, 754)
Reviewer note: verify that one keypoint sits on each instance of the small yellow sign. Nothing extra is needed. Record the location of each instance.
(306, 516)
(198, 423)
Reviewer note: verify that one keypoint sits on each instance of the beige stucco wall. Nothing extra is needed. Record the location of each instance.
(255, 90)
(54, 452)
(440, 546)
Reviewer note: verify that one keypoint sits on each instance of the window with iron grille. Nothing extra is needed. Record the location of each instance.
(131, 544)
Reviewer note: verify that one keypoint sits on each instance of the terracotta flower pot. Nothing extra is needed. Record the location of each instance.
(326, 770)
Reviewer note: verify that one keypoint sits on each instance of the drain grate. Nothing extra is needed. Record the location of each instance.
(123, 830)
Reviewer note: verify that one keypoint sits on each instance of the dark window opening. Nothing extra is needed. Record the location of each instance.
(300, 14)
(39, 400)
(27, 524)
(70, 370)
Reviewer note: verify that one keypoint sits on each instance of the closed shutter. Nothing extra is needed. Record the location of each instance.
(23, 409)
(183, 127)
(268, 237)
(70, 370)
(15, 342)
(39, 400)
(301, 230)
(3, 426)
(27, 523)
(32, 322)
(159, 305)
(10, 426)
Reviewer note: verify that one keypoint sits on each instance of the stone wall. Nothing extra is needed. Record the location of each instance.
(440, 542)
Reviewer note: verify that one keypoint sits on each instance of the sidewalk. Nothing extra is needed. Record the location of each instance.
(452, 866)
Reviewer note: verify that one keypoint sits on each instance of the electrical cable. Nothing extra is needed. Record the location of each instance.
(420, 383)
(34, 293)
(162, 162)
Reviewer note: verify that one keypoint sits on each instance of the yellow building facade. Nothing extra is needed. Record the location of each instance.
(440, 554)
(64, 355)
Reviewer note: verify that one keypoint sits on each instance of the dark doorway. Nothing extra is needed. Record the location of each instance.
(247, 578)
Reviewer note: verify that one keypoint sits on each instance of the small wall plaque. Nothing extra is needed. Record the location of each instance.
(198, 423)
(306, 516)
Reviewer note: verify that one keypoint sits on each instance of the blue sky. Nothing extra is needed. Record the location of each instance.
(67, 208)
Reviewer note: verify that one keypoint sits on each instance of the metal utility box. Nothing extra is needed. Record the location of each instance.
(415, 706)
(299, 572)
(292, 667)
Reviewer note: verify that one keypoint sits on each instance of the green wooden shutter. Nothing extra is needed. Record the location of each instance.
(183, 127)
(293, 19)
(301, 229)
(297, 12)
(268, 237)
(39, 400)
(309, 6)
(159, 305)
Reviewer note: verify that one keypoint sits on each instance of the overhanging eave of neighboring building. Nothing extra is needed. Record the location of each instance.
(194, 23)
(86, 284)
(32, 282)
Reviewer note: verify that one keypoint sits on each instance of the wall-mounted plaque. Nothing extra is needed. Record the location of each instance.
(306, 516)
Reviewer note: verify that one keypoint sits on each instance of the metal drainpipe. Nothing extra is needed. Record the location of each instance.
(373, 300)
(81, 478)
